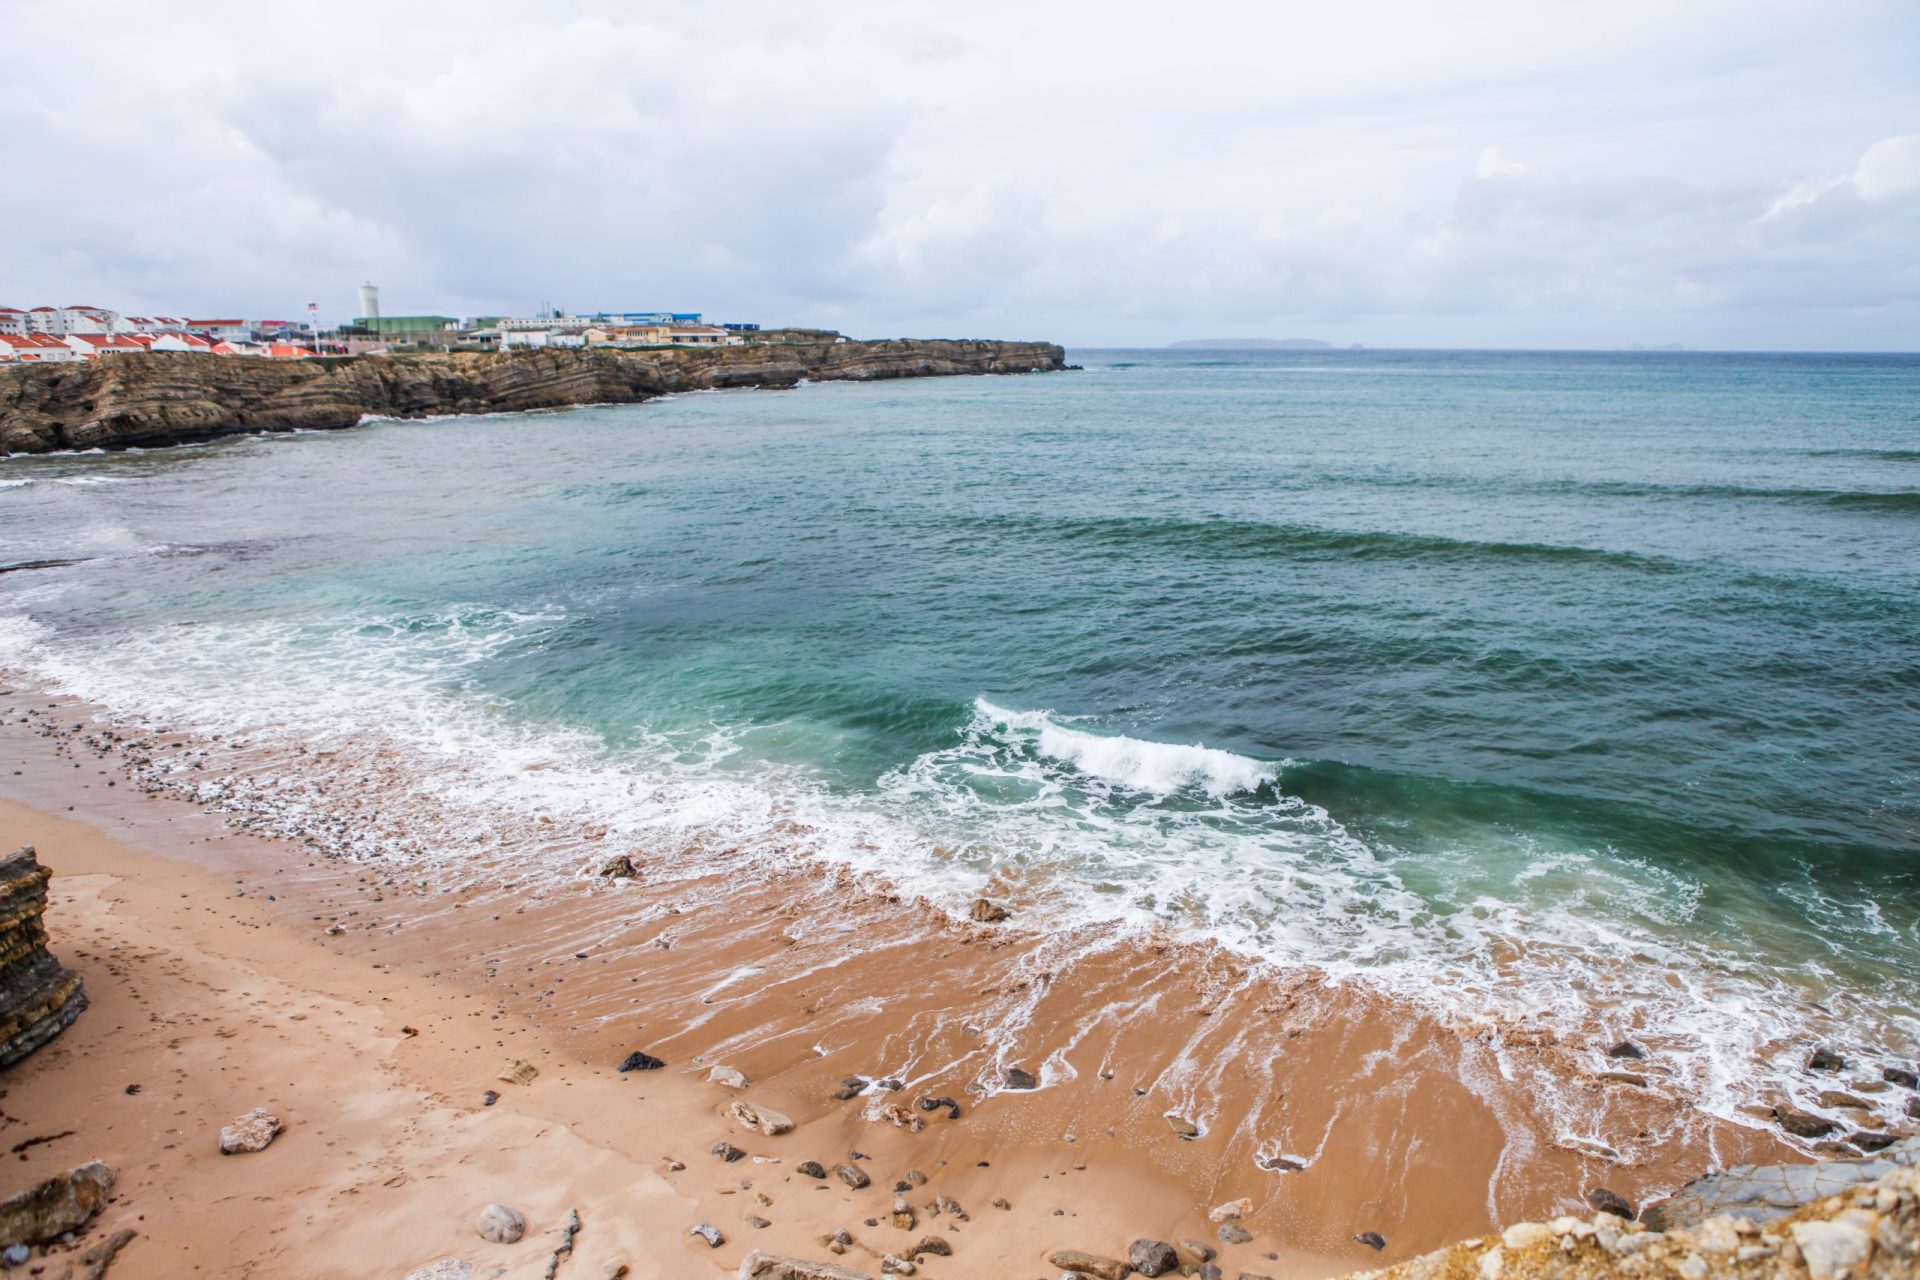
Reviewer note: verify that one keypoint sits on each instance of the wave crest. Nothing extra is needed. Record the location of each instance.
(1158, 768)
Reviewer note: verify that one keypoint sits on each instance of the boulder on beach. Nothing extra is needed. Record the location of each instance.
(986, 911)
(1183, 1127)
(1019, 1078)
(638, 1061)
(708, 1232)
(518, 1072)
(39, 997)
(1802, 1124)
(619, 867)
(730, 1077)
(56, 1205)
(1152, 1257)
(852, 1176)
(251, 1132)
(500, 1224)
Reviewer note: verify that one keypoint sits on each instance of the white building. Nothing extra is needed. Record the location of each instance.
(12, 321)
(36, 348)
(221, 330)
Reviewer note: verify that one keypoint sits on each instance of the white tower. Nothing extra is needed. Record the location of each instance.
(369, 302)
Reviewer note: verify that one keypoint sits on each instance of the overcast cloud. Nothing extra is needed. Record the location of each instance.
(1720, 174)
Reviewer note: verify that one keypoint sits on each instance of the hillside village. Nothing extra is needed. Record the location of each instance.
(53, 335)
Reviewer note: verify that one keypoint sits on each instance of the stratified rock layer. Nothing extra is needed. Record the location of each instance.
(150, 398)
(38, 997)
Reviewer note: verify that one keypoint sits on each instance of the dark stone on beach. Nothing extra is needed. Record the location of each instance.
(1826, 1060)
(1183, 1127)
(933, 1245)
(1913, 1108)
(1278, 1164)
(934, 1104)
(1605, 1201)
(1871, 1142)
(851, 1087)
(1802, 1124)
(619, 867)
(1626, 1049)
(989, 912)
(727, 1151)
(488, 1098)
(892, 1084)
(855, 1178)
(810, 1169)
(1372, 1239)
(1843, 1100)
(757, 1222)
(1020, 1078)
(1233, 1233)
(638, 1061)
(1152, 1257)
(1900, 1076)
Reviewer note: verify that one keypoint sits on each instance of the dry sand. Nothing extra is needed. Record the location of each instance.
(229, 972)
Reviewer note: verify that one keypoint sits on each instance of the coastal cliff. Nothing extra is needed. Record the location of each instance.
(153, 399)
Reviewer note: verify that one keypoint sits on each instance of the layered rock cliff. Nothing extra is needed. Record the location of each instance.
(151, 399)
(38, 996)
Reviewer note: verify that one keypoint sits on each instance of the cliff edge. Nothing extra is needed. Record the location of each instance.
(159, 398)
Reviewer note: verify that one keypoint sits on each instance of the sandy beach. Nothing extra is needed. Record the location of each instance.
(374, 1013)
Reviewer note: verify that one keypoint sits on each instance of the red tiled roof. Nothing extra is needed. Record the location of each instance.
(209, 323)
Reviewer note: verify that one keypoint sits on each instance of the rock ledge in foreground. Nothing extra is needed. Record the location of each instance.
(39, 997)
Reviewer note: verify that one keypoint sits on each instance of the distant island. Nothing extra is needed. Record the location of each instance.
(1254, 344)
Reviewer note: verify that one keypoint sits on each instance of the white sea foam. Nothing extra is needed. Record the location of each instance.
(1137, 834)
(1158, 768)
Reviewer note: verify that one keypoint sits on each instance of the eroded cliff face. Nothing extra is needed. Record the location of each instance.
(39, 997)
(166, 398)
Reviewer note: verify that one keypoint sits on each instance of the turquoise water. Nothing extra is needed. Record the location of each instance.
(1579, 688)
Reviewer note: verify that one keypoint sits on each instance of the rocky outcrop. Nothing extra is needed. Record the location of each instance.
(1870, 1231)
(38, 996)
(1762, 1193)
(161, 398)
(58, 1205)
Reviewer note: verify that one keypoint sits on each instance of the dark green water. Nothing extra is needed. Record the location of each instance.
(1568, 687)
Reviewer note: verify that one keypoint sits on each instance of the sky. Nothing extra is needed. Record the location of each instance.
(1724, 174)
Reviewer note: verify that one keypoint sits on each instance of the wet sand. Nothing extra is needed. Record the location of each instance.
(801, 979)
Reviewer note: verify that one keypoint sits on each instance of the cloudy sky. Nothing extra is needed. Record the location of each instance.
(1740, 174)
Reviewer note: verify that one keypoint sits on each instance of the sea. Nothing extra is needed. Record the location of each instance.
(1570, 689)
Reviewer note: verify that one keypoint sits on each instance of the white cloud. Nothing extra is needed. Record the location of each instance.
(1097, 173)
(1495, 163)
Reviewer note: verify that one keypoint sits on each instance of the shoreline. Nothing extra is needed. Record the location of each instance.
(163, 400)
(805, 980)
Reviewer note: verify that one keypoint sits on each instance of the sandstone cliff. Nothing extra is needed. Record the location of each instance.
(151, 399)
(38, 997)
